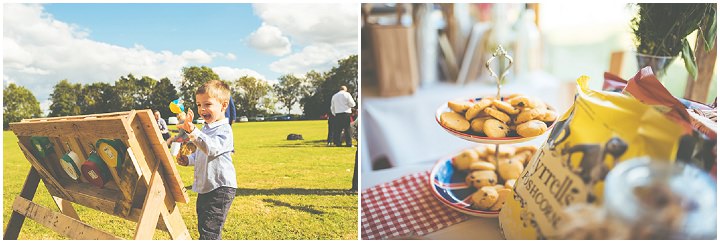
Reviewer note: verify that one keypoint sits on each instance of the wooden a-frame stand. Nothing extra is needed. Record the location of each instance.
(144, 189)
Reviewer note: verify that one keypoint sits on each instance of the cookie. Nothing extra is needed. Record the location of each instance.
(510, 96)
(523, 101)
(531, 128)
(506, 107)
(495, 129)
(497, 114)
(528, 114)
(506, 151)
(499, 187)
(548, 116)
(482, 165)
(484, 150)
(459, 106)
(510, 169)
(484, 198)
(475, 110)
(481, 178)
(503, 194)
(476, 125)
(523, 157)
(463, 160)
(520, 149)
(454, 121)
(510, 183)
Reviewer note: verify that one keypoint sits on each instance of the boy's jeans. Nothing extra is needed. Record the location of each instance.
(212, 209)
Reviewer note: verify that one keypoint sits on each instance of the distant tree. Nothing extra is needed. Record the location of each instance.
(163, 93)
(96, 98)
(289, 90)
(248, 93)
(65, 99)
(192, 78)
(125, 89)
(18, 103)
(317, 102)
(267, 105)
(144, 88)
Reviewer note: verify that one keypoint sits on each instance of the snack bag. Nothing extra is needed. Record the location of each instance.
(600, 130)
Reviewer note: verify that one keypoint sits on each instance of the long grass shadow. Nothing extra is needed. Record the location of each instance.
(300, 144)
(291, 191)
(303, 208)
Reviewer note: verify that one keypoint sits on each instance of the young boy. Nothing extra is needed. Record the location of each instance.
(214, 171)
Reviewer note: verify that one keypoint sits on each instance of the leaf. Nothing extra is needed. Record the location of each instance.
(689, 57)
(710, 31)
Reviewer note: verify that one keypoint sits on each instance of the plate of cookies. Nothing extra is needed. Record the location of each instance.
(510, 119)
(474, 182)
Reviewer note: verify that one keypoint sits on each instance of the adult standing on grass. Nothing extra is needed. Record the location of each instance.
(162, 125)
(341, 106)
(214, 177)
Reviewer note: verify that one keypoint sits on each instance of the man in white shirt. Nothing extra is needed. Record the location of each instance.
(341, 106)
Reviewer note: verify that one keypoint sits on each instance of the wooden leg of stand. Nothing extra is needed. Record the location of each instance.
(28, 192)
(154, 202)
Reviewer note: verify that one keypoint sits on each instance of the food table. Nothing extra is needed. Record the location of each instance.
(402, 130)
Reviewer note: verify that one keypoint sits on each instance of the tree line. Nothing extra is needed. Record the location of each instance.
(252, 96)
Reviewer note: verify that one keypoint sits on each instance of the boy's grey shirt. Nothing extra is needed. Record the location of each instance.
(213, 159)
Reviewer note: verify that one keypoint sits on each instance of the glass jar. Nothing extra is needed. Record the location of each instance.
(660, 200)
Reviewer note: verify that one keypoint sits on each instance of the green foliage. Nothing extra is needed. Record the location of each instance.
(316, 101)
(192, 78)
(287, 189)
(248, 94)
(65, 99)
(18, 103)
(97, 98)
(289, 90)
(662, 28)
(162, 94)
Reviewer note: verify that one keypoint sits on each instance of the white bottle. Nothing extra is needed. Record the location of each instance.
(528, 44)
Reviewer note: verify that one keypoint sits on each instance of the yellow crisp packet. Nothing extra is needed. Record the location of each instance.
(600, 130)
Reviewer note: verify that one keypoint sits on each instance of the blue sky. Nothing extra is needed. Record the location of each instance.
(85, 43)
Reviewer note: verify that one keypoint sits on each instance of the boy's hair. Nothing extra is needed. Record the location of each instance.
(215, 89)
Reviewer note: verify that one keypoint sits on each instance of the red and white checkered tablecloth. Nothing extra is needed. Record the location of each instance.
(404, 207)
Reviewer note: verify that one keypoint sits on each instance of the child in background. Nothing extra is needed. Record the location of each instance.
(214, 178)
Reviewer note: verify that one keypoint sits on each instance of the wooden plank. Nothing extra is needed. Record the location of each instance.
(59, 223)
(151, 210)
(101, 127)
(171, 175)
(54, 187)
(78, 117)
(127, 179)
(44, 162)
(172, 219)
(12, 230)
(66, 207)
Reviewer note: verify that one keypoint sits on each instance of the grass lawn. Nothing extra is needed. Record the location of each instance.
(287, 189)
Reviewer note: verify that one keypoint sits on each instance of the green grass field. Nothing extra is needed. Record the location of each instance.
(287, 189)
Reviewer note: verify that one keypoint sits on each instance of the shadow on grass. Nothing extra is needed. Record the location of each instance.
(303, 143)
(289, 191)
(303, 208)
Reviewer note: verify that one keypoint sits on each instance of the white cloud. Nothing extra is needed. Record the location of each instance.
(333, 23)
(269, 39)
(232, 74)
(39, 51)
(327, 32)
(198, 56)
(320, 57)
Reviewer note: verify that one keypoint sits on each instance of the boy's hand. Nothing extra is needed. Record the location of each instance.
(183, 160)
(188, 125)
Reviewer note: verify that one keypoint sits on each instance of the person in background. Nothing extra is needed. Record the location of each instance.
(162, 125)
(341, 106)
(331, 129)
(230, 112)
